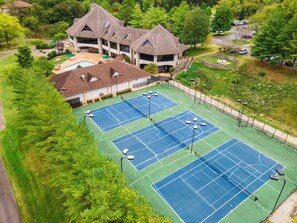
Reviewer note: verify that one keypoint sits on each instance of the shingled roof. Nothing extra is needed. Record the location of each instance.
(158, 41)
(98, 23)
(95, 77)
(94, 23)
(18, 4)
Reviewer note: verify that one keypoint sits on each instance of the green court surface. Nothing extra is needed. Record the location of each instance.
(248, 211)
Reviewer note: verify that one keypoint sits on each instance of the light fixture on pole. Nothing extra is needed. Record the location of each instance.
(196, 83)
(280, 172)
(116, 75)
(125, 156)
(195, 127)
(242, 111)
(149, 97)
(88, 114)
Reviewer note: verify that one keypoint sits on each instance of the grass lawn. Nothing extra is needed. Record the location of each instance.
(214, 60)
(192, 52)
(270, 89)
(36, 201)
(59, 59)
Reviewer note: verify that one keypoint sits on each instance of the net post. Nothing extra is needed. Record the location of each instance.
(273, 133)
(263, 127)
(286, 138)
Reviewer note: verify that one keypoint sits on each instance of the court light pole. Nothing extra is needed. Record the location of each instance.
(116, 75)
(195, 127)
(280, 172)
(244, 104)
(149, 97)
(196, 83)
(125, 156)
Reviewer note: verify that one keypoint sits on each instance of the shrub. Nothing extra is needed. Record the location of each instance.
(127, 59)
(171, 69)
(106, 96)
(97, 99)
(261, 73)
(51, 55)
(67, 51)
(36, 42)
(89, 101)
(124, 91)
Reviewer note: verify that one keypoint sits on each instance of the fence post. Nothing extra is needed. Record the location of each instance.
(224, 108)
(247, 122)
(204, 98)
(253, 122)
(286, 138)
(273, 133)
(263, 127)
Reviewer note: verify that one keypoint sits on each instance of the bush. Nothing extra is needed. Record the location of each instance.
(97, 99)
(89, 101)
(261, 73)
(106, 96)
(124, 91)
(67, 51)
(171, 69)
(51, 55)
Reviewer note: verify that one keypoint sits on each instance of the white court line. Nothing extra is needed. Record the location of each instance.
(242, 200)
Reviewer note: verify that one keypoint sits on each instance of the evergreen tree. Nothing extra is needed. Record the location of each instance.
(24, 57)
(136, 17)
(155, 16)
(179, 16)
(269, 40)
(126, 9)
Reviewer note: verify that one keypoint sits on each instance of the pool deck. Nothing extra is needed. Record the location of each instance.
(80, 57)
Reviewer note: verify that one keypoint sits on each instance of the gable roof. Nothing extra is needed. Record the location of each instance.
(158, 41)
(96, 77)
(17, 4)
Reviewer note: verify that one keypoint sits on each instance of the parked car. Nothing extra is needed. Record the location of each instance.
(243, 51)
(233, 50)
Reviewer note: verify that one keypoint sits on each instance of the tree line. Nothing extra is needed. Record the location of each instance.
(88, 184)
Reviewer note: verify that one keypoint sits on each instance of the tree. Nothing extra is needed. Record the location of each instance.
(59, 36)
(45, 66)
(196, 27)
(136, 17)
(126, 9)
(222, 20)
(146, 4)
(155, 16)
(289, 37)
(10, 28)
(32, 23)
(179, 16)
(151, 68)
(269, 40)
(24, 57)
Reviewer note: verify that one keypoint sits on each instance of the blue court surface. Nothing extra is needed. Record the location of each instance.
(209, 188)
(157, 141)
(121, 113)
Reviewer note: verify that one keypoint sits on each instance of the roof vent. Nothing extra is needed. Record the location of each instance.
(106, 25)
(83, 77)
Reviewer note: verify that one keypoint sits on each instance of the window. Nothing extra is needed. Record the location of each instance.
(147, 43)
(146, 57)
(87, 28)
(125, 48)
(113, 45)
(169, 57)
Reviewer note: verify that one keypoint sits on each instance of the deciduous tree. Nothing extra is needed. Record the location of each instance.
(196, 27)
(10, 28)
(222, 20)
(126, 9)
(137, 17)
(179, 16)
(155, 16)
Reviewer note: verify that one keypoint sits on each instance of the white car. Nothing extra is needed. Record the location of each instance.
(243, 51)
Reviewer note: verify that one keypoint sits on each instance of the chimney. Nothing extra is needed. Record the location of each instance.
(93, 5)
(83, 77)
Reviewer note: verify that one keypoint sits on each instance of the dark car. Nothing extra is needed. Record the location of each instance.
(243, 51)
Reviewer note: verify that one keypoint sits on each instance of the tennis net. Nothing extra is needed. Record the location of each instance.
(229, 178)
(156, 124)
(133, 106)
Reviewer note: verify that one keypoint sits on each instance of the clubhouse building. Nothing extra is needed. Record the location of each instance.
(100, 32)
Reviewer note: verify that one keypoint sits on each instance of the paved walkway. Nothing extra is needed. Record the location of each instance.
(8, 209)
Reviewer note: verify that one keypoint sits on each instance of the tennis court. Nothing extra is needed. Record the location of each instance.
(127, 111)
(157, 141)
(209, 188)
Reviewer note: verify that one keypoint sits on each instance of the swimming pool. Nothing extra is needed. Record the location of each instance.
(82, 64)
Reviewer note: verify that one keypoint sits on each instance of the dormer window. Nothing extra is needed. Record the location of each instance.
(147, 43)
(87, 28)
(127, 37)
(114, 34)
